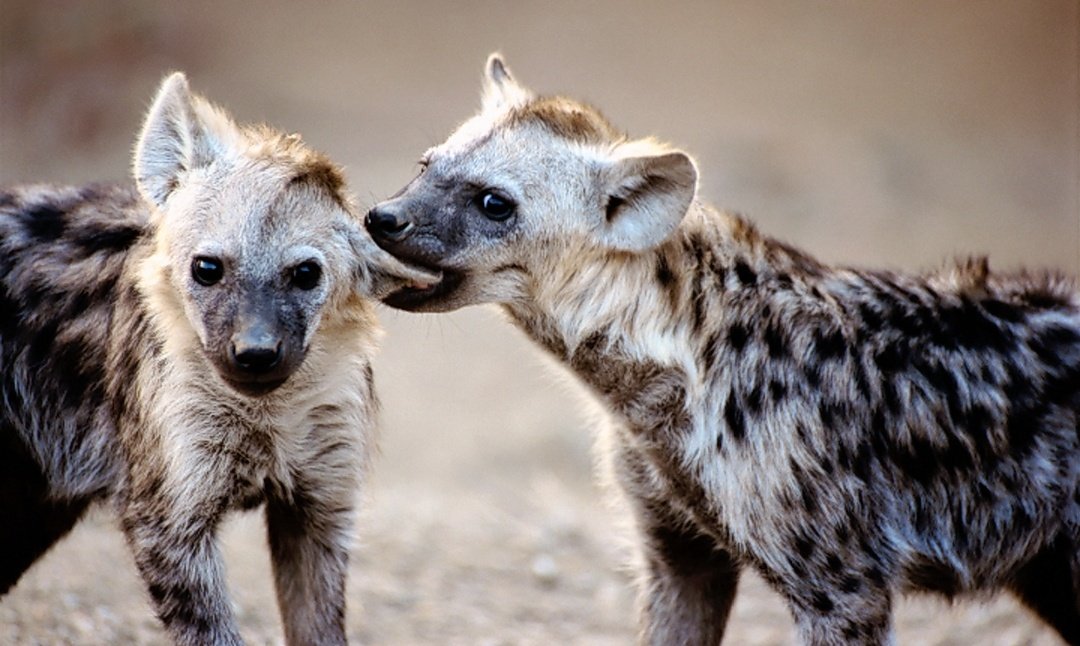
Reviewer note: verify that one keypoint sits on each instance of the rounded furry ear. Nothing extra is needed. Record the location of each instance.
(181, 132)
(501, 90)
(648, 193)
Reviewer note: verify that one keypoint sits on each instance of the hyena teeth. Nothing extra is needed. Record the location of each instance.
(846, 433)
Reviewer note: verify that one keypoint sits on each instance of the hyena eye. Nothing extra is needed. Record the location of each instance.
(306, 275)
(494, 206)
(207, 271)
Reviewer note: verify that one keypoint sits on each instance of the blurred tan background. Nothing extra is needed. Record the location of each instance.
(889, 133)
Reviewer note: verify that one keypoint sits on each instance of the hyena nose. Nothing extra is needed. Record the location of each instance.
(256, 359)
(384, 223)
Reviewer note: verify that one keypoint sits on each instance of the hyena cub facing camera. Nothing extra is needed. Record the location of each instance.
(848, 434)
(195, 344)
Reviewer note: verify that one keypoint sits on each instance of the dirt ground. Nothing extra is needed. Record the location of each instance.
(893, 134)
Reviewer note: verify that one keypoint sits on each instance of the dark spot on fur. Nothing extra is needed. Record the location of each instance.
(870, 317)
(822, 603)
(834, 563)
(746, 275)
(1003, 311)
(733, 416)
(112, 239)
(804, 546)
(755, 399)
(933, 575)
(737, 336)
(45, 222)
(829, 345)
(860, 466)
(850, 584)
(775, 341)
(777, 390)
(663, 271)
(891, 358)
(968, 327)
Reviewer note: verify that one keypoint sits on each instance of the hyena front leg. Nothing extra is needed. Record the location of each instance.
(688, 590)
(309, 547)
(688, 584)
(1050, 585)
(176, 552)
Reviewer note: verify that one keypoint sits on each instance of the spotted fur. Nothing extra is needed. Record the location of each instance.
(848, 434)
(121, 378)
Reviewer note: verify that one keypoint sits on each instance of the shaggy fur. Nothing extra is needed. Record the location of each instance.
(849, 434)
(124, 378)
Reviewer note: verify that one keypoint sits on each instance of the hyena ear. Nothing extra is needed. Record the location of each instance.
(501, 90)
(647, 195)
(181, 133)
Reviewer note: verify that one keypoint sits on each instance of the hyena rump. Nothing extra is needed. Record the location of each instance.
(849, 434)
(194, 344)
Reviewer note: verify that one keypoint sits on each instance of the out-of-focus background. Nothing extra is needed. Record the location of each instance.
(896, 134)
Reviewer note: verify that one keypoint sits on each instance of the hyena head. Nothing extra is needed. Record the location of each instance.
(255, 242)
(529, 187)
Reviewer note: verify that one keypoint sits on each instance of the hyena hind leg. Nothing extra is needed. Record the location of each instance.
(1049, 585)
(31, 522)
(689, 588)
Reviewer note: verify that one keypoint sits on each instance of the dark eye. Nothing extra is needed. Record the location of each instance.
(207, 271)
(494, 206)
(306, 275)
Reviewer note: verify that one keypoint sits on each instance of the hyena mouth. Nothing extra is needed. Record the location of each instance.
(255, 388)
(413, 297)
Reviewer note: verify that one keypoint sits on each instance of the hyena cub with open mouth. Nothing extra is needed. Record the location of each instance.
(198, 345)
(849, 434)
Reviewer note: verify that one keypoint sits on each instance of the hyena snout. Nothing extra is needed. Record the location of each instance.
(386, 223)
(260, 353)
(256, 350)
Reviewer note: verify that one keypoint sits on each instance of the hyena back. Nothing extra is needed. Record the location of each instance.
(194, 344)
(849, 434)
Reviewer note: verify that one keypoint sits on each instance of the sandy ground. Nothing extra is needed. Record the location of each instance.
(893, 134)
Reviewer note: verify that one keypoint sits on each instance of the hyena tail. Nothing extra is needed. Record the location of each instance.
(1050, 586)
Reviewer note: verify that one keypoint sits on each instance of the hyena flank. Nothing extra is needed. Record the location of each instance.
(197, 343)
(848, 434)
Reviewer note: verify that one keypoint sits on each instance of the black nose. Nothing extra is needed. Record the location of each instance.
(384, 223)
(256, 359)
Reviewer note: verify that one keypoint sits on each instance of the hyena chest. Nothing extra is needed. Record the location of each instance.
(673, 451)
(664, 441)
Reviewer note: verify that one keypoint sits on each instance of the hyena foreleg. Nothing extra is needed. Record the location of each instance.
(309, 551)
(689, 588)
(178, 557)
(1050, 585)
(689, 582)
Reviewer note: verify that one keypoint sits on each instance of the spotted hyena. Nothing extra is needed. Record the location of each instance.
(197, 343)
(849, 434)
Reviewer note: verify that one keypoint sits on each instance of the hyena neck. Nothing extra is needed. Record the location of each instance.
(623, 346)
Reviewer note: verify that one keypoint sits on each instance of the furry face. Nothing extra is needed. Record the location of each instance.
(520, 189)
(230, 265)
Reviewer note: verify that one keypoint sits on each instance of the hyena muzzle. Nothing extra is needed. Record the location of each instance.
(848, 434)
(197, 343)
